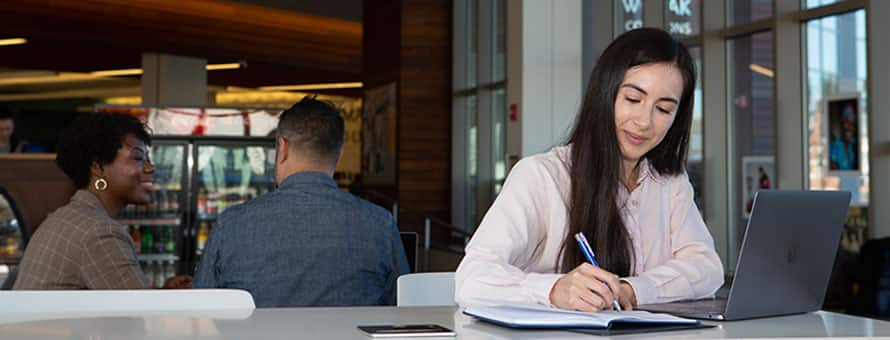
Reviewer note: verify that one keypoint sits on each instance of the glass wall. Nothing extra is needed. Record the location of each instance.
(480, 104)
(472, 156)
(836, 73)
(752, 115)
(695, 163)
(838, 114)
(499, 141)
(628, 15)
(500, 40)
(472, 42)
(818, 3)
(746, 11)
(682, 18)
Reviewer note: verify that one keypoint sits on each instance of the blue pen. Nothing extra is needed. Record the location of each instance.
(588, 253)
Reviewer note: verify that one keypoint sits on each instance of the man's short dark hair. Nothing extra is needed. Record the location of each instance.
(95, 137)
(313, 126)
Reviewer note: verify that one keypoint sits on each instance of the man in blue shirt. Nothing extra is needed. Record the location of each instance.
(307, 243)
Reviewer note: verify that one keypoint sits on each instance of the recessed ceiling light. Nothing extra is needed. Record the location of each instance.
(138, 71)
(13, 41)
(304, 87)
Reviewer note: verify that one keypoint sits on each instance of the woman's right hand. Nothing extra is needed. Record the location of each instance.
(585, 289)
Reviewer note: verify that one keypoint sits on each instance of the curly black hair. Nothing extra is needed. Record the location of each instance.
(95, 137)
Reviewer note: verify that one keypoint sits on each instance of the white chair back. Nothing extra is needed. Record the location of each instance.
(123, 301)
(426, 289)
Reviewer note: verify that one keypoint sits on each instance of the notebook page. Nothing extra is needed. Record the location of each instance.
(551, 317)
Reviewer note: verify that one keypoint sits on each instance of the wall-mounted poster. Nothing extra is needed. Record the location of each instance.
(842, 130)
(379, 135)
(758, 173)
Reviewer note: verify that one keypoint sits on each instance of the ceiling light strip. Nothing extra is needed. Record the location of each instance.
(13, 41)
(303, 87)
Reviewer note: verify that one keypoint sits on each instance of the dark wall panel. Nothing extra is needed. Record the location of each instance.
(409, 42)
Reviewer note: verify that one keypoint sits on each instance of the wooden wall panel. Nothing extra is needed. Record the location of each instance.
(409, 42)
(35, 182)
(381, 59)
(425, 107)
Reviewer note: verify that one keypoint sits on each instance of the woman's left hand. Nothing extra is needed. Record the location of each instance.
(626, 297)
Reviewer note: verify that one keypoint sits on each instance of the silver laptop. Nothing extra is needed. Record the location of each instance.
(786, 258)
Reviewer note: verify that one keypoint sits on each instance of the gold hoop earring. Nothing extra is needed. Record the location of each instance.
(101, 184)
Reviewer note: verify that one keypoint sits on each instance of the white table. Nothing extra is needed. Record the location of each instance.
(340, 323)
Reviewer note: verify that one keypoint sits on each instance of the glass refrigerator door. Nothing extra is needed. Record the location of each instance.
(227, 174)
(12, 240)
(157, 228)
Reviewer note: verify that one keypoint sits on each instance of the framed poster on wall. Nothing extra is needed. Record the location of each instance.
(758, 173)
(841, 128)
(379, 135)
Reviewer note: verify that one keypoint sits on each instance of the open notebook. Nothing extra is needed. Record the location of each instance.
(526, 316)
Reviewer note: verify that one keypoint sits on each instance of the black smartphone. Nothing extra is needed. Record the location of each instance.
(399, 331)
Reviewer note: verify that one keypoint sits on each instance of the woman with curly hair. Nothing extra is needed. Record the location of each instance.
(80, 245)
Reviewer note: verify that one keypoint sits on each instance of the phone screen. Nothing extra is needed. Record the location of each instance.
(405, 330)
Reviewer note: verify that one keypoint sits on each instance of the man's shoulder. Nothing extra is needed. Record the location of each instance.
(370, 209)
(277, 200)
(257, 205)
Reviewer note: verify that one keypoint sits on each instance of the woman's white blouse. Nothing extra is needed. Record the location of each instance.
(513, 255)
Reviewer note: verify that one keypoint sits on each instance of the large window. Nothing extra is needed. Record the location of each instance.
(752, 116)
(471, 39)
(499, 68)
(819, 3)
(628, 15)
(479, 107)
(682, 18)
(470, 109)
(695, 164)
(746, 11)
(837, 109)
(836, 68)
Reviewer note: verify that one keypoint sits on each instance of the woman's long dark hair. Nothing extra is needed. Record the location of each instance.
(595, 167)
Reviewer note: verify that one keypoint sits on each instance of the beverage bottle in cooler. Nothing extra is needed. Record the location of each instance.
(203, 233)
(202, 203)
(140, 211)
(170, 245)
(153, 207)
(169, 269)
(159, 275)
(222, 204)
(160, 240)
(137, 238)
(174, 204)
(164, 204)
(148, 242)
(212, 207)
(150, 269)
